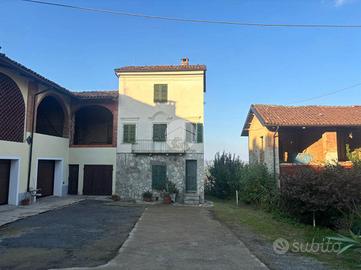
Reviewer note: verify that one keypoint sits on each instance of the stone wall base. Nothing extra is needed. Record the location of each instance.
(134, 174)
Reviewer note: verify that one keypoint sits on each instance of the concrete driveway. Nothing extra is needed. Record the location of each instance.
(168, 237)
(88, 233)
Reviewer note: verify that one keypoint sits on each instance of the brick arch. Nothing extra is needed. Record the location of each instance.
(52, 117)
(12, 110)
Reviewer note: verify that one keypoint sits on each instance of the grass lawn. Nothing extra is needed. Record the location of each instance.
(271, 227)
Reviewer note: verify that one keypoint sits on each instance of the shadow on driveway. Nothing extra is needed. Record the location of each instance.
(88, 233)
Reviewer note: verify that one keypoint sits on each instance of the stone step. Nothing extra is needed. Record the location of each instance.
(191, 198)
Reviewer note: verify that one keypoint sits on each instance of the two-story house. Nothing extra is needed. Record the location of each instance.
(160, 130)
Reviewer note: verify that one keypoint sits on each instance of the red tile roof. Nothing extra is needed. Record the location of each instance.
(330, 116)
(161, 68)
(109, 94)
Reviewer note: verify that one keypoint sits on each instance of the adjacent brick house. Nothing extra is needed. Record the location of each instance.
(286, 137)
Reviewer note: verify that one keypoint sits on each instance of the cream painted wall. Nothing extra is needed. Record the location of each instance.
(92, 156)
(257, 134)
(184, 88)
(136, 104)
(20, 151)
(49, 147)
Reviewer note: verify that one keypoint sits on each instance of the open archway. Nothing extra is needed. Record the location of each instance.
(50, 118)
(93, 126)
(12, 110)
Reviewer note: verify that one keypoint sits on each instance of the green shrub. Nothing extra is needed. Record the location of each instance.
(223, 175)
(328, 196)
(354, 156)
(227, 173)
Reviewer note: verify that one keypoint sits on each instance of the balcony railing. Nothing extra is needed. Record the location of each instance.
(169, 146)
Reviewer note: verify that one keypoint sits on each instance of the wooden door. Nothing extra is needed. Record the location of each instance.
(46, 177)
(191, 175)
(73, 179)
(98, 179)
(4, 180)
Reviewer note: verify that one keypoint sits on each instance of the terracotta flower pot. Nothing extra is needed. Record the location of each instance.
(167, 199)
(25, 202)
(147, 199)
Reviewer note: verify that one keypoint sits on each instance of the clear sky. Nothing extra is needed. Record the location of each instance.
(79, 50)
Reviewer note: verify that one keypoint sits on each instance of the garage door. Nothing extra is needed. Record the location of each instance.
(4, 180)
(98, 179)
(46, 177)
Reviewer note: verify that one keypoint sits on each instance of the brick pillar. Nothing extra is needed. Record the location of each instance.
(329, 139)
(32, 89)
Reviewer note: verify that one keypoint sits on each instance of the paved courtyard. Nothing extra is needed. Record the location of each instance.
(87, 233)
(169, 237)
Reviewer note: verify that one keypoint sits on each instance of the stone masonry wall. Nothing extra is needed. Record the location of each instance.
(134, 174)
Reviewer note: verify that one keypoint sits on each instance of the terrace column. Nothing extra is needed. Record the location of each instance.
(329, 139)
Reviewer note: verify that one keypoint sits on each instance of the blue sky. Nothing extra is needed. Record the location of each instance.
(79, 50)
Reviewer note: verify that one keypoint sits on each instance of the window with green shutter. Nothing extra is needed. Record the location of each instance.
(159, 176)
(194, 132)
(159, 132)
(199, 133)
(129, 133)
(160, 93)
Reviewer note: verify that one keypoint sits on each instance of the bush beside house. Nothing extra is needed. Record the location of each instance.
(330, 197)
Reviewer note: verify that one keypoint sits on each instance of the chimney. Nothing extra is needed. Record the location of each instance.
(185, 61)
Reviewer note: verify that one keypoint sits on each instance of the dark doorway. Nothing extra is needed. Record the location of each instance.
(46, 177)
(191, 175)
(98, 179)
(4, 180)
(73, 179)
(50, 117)
(93, 126)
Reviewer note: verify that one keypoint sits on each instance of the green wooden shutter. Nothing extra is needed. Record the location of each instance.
(129, 133)
(164, 93)
(157, 92)
(189, 131)
(160, 93)
(159, 176)
(199, 133)
(159, 132)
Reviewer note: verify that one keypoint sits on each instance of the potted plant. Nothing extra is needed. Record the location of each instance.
(166, 198)
(26, 200)
(172, 190)
(147, 196)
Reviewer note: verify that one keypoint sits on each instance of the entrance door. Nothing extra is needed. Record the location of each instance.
(191, 175)
(4, 180)
(46, 177)
(98, 179)
(73, 179)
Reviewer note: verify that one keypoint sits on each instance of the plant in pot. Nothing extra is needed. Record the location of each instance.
(26, 200)
(166, 198)
(172, 190)
(147, 196)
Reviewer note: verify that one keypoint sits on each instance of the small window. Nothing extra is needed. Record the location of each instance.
(159, 176)
(159, 132)
(160, 93)
(194, 132)
(129, 133)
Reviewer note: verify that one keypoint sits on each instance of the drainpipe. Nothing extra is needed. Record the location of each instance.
(274, 154)
(30, 138)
